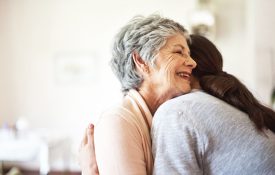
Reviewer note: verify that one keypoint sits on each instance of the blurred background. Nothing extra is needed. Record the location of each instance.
(55, 77)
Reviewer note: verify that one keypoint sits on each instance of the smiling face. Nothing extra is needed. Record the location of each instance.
(173, 67)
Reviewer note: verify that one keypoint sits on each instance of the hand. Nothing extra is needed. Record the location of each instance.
(87, 159)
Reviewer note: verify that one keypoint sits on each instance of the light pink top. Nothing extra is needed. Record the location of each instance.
(122, 138)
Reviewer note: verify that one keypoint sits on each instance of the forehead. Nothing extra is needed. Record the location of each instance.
(177, 40)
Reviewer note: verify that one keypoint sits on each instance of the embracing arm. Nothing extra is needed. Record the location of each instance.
(118, 147)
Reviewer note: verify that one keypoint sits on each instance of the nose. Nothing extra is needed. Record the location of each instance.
(190, 62)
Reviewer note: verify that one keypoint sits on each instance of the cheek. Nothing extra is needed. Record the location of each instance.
(169, 73)
(166, 66)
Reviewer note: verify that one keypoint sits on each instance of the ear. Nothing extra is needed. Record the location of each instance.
(139, 62)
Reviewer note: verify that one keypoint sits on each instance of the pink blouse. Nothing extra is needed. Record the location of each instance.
(122, 138)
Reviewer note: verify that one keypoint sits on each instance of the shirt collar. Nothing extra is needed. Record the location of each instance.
(134, 94)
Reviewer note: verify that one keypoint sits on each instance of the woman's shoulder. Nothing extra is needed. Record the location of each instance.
(178, 102)
(117, 112)
(115, 120)
(197, 105)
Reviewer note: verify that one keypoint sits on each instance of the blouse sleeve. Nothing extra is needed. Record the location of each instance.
(177, 146)
(118, 147)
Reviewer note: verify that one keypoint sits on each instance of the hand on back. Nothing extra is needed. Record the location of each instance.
(87, 159)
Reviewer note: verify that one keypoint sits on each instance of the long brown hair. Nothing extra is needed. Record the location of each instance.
(215, 81)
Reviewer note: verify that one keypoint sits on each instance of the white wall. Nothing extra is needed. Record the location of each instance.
(264, 48)
(232, 39)
(6, 97)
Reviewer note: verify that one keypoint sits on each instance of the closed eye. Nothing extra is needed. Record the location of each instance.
(182, 54)
(179, 52)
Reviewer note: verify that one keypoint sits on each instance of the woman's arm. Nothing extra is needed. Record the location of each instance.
(118, 147)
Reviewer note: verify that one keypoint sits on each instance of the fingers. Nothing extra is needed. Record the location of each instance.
(87, 140)
(90, 135)
(86, 157)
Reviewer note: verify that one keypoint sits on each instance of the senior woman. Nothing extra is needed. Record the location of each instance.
(152, 61)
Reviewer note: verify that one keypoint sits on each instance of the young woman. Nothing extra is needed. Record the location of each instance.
(218, 128)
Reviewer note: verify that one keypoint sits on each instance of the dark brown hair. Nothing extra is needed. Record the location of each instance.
(215, 81)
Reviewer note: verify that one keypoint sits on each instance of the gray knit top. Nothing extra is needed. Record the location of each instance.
(199, 134)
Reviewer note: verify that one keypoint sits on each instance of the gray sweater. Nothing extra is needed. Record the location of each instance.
(199, 134)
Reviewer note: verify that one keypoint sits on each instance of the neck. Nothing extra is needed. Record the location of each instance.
(151, 98)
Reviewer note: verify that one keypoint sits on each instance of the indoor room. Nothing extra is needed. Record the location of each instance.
(55, 76)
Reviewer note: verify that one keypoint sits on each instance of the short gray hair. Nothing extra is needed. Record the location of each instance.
(144, 35)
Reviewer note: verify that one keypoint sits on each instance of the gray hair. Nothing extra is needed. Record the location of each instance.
(146, 36)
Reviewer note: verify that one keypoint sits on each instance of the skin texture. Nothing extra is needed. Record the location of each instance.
(162, 81)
